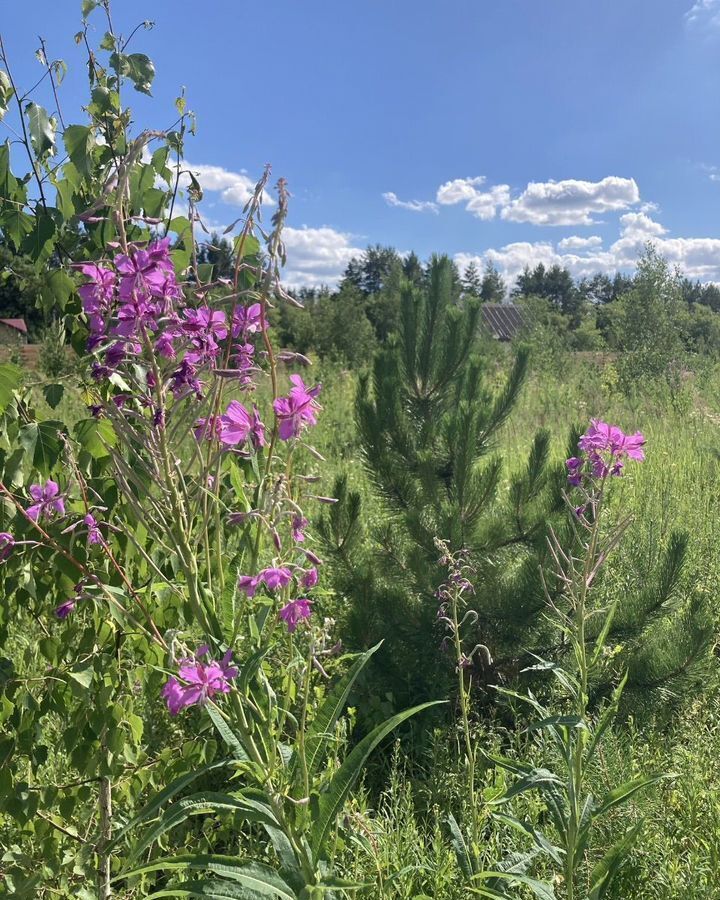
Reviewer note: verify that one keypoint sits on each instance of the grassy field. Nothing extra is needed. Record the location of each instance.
(677, 731)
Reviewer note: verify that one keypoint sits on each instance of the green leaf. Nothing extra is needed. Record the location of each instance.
(6, 92)
(79, 142)
(88, 6)
(167, 794)
(41, 441)
(261, 879)
(605, 871)
(10, 380)
(536, 779)
(42, 129)
(83, 677)
(53, 394)
(624, 792)
(541, 889)
(199, 804)
(460, 847)
(137, 67)
(332, 800)
(57, 290)
(226, 733)
(211, 889)
(93, 435)
(322, 728)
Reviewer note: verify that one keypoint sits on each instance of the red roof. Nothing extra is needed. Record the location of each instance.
(17, 324)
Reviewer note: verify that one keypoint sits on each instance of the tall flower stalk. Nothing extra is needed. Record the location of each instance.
(573, 735)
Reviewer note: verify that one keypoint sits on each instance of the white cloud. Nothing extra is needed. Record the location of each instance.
(483, 204)
(571, 202)
(392, 199)
(235, 188)
(697, 258)
(316, 256)
(703, 14)
(580, 243)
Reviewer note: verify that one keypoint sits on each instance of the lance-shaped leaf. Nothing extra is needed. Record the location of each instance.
(166, 794)
(605, 871)
(198, 804)
(322, 728)
(332, 800)
(261, 880)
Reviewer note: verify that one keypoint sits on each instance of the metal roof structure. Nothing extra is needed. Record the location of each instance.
(17, 324)
(502, 320)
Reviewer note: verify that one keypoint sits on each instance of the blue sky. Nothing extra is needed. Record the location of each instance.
(511, 131)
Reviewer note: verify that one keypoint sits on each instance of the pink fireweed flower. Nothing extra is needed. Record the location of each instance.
(200, 681)
(275, 578)
(248, 584)
(297, 528)
(94, 535)
(606, 448)
(205, 321)
(48, 501)
(297, 410)
(208, 429)
(7, 542)
(309, 579)
(64, 610)
(247, 320)
(236, 424)
(295, 612)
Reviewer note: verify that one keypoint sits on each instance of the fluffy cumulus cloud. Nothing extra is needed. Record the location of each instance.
(392, 199)
(316, 256)
(580, 243)
(571, 202)
(478, 200)
(696, 257)
(235, 188)
(703, 14)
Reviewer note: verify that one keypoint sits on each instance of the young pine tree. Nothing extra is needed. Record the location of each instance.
(428, 422)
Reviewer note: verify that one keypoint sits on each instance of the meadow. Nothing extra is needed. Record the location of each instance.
(345, 599)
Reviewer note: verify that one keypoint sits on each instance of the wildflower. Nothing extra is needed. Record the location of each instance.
(7, 542)
(257, 430)
(295, 611)
(64, 610)
(606, 448)
(309, 579)
(201, 681)
(275, 578)
(48, 501)
(247, 320)
(296, 410)
(248, 584)
(236, 424)
(94, 536)
(208, 429)
(297, 528)
(205, 321)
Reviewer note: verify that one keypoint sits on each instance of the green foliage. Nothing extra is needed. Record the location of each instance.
(428, 424)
